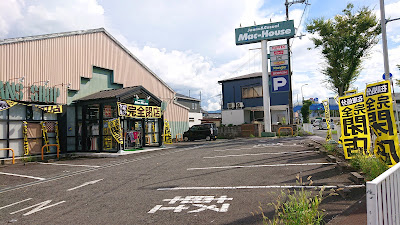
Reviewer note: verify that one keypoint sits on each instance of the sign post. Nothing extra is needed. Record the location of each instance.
(263, 33)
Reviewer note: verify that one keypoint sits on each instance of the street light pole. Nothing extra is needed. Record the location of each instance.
(302, 97)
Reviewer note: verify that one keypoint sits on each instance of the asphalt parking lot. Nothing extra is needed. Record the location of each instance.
(218, 182)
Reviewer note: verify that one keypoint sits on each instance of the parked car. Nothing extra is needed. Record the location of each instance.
(208, 131)
(316, 122)
(323, 125)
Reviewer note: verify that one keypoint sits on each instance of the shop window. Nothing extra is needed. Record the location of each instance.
(3, 115)
(16, 129)
(17, 112)
(37, 113)
(3, 130)
(252, 92)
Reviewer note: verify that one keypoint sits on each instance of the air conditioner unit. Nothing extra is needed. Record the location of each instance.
(231, 105)
(239, 105)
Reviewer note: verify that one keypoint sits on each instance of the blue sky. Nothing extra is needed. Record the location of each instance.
(190, 43)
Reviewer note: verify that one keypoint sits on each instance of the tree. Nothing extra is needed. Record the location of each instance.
(345, 41)
(305, 111)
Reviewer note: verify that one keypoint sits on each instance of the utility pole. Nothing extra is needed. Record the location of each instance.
(384, 41)
(265, 86)
(287, 4)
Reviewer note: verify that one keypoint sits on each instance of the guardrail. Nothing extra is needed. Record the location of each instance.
(383, 198)
(58, 149)
(279, 130)
(13, 154)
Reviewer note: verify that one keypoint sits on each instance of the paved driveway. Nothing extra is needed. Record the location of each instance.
(219, 182)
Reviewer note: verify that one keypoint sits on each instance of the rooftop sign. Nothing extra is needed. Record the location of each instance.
(270, 31)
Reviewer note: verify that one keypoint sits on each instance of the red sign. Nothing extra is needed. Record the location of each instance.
(279, 52)
(282, 72)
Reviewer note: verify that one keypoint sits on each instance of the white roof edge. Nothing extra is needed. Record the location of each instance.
(176, 103)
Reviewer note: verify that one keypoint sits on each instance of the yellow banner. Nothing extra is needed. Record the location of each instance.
(138, 111)
(50, 108)
(6, 104)
(379, 107)
(25, 133)
(328, 120)
(167, 133)
(115, 127)
(354, 125)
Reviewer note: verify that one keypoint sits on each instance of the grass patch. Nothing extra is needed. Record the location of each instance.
(334, 131)
(331, 148)
(298, 206)
(371, 166)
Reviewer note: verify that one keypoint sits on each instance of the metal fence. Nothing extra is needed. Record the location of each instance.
(383, 198)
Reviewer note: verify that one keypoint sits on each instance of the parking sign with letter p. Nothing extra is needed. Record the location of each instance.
(280, 83)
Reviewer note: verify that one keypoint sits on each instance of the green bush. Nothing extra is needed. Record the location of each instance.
(371, 166)
(330, 148)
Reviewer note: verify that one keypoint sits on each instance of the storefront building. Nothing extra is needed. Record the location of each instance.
(73, 89)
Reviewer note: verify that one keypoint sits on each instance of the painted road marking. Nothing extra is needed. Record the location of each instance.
(201, 203)
(61, 164)
(85, 184)
(255, 166)
(19, 175)
(15, 203)
(38, 207)
(233, 149)
(260, 187)
(265, 153)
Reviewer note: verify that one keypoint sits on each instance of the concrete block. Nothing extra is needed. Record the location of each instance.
(331, 158)
(356, 178)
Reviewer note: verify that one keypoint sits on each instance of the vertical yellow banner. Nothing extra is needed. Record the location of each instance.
(355, 127)
(379, 107)
(328, 120)
(115, 127)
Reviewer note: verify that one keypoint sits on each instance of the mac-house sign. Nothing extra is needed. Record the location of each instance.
(270, 31)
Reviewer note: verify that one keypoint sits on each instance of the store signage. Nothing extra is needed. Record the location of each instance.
(280, 83)
(279, 58)
(277, 47)
(278, 63)
(138, 111)
(278, 73)
(270, 31)
(15, 92)
(279, 52)
(279, 68)
(140, 101)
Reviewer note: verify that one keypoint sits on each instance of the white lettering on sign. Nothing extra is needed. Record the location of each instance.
(279, 52)
(199, 203)
(264, 34)
(279, 82)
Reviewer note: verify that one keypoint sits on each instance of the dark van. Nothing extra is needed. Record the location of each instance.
(208, 131)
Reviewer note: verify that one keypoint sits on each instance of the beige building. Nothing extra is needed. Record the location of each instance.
(91, 75)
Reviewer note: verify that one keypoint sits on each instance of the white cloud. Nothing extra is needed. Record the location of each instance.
(49, 16)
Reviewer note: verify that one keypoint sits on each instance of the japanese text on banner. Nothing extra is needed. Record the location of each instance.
(138, 111)
(116, 131)
(355, 127)
(328, 120)
(379, 107)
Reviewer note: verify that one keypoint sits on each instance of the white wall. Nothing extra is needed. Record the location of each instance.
(234, 117)
(197, 117)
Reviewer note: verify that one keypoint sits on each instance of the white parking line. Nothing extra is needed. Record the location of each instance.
(233, 149)
(61, 164)
(259, 187)
(19, 175)
(255, 166)
(265, 153)
(15, 203)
